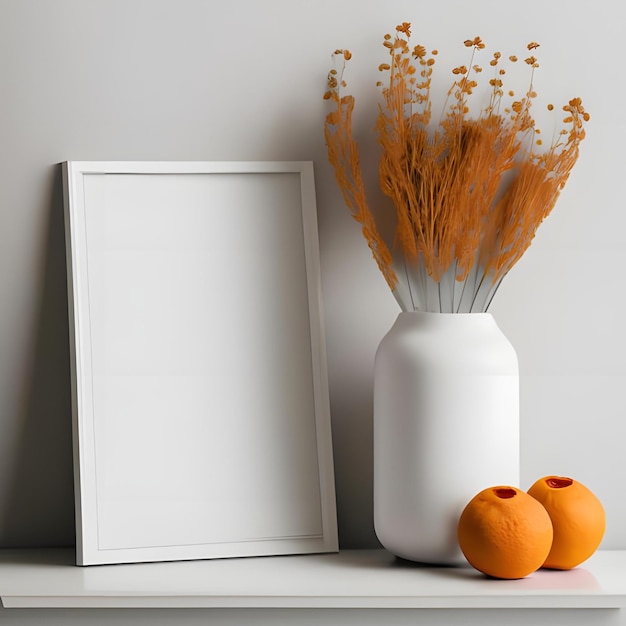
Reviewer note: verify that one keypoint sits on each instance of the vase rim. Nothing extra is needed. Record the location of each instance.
(437, 314)
(423, 319)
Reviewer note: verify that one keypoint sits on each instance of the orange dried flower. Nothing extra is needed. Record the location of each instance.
(405, 28)
(476, 42)
(468, 192)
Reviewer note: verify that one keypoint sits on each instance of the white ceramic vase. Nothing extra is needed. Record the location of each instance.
(446, 426)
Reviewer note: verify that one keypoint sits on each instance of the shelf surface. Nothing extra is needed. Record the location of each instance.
(349, 579)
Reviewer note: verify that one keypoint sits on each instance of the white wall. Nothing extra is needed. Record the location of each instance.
(243, 80)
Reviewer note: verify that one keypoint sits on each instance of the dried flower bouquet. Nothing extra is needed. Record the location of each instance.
(469, 191)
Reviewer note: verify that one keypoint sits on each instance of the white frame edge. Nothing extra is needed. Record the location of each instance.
(87, 551)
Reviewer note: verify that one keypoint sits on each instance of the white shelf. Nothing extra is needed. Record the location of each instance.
(350, 579)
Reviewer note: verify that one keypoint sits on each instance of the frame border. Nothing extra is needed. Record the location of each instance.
(87, 551)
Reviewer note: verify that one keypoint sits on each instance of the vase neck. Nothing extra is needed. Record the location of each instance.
(434, 321)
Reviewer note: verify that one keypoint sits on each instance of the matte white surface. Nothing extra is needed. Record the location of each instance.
(201, 410)
(349, 579)
(310, 617)
(243, 80)
(446, 426)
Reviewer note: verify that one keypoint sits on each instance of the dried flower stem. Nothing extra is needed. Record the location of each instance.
(343, 154)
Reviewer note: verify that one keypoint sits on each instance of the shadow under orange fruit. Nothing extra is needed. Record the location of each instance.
(578, 520)
(505, 533)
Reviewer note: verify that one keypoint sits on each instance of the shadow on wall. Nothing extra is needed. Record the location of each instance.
(39, 510)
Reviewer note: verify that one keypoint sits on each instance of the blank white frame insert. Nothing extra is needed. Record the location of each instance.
(201, 419)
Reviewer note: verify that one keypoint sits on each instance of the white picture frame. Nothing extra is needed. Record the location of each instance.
(201, 421)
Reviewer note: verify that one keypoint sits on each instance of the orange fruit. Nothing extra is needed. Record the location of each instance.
(578, 520)
(505, 533)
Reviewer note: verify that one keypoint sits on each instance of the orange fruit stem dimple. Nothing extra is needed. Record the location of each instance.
(505, 492)
(558, 482)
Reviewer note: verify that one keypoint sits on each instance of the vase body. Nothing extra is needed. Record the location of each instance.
(446, 426)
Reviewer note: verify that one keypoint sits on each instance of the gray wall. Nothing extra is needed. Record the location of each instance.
(242, 80)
